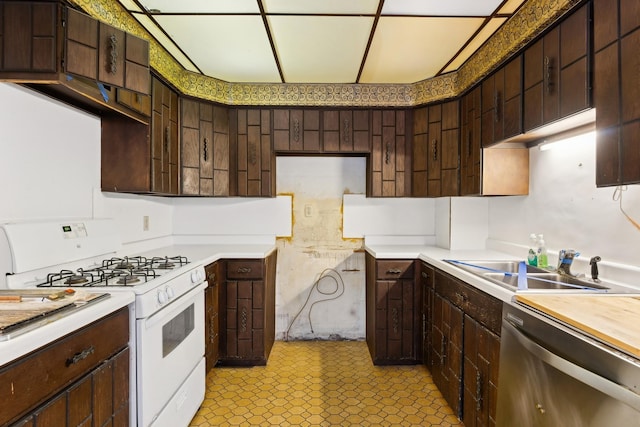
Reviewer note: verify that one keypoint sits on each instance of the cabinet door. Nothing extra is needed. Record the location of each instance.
(470, 142)
(502, 103)
(420, 155)
(296, 130)
(481, 361)
(212, 318)
(255, 161)
(245, 321)
(388, 171)
(616, 81)
(575, 68)
(205, 149)
(164, 138)
(81, 45)
(29, 47)
(137, 77)
(221, 151)
(434, 153)
(345, 131)
(447, 351)
(425, 283)
(510, 113)
(111, 51)
(395, 317)
(450, 165)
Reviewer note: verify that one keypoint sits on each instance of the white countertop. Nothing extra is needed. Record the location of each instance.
(205, 254)
(202, 254)
(29, 341)
(436, 256)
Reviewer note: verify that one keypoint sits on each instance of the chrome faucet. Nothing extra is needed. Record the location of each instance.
(565, 258)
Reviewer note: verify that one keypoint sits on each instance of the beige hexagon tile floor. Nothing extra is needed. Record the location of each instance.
(323, 383)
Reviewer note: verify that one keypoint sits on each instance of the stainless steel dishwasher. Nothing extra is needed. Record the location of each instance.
(552, 375)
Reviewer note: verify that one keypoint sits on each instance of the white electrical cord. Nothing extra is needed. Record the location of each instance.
(617, 196)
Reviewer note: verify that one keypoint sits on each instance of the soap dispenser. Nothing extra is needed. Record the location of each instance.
(543, 259)
(532, 257)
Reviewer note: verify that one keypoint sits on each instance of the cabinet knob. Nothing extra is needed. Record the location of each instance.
(167, 139)
(394, 271)
(205, 149)
(434, 149)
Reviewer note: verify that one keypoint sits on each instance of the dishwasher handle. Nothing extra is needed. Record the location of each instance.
(577, 372)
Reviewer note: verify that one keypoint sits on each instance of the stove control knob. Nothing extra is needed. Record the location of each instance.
(162, 297)
(170, 292)
(196, 276)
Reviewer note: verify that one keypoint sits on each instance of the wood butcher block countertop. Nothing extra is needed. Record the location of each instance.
(612, 319)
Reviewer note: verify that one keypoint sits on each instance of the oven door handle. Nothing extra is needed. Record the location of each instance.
(577, 372)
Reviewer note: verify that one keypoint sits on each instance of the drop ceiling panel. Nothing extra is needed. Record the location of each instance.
(320, 49)
(477, 41)
(440, 8)
(511, 6)
(350, 7)
(202, 6)
(166, 42)
(407, 50)
(231, 48)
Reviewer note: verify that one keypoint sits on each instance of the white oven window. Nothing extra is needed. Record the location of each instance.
(177, 330)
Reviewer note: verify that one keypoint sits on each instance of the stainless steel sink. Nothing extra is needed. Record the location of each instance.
(505, 273)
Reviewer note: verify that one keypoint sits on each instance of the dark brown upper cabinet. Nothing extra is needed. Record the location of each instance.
(617, 91)
(502, 103)
(205, 149)
(436, 150)
(494, 171)
(557, 72)
(346, 131)
(389, 164)
(141, 158)
(253, 158)
(61, 51)
(296, 130)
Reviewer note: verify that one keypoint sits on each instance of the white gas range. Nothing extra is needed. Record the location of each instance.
(167, 318)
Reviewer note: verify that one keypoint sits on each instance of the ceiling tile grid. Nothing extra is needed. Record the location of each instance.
(329, 41)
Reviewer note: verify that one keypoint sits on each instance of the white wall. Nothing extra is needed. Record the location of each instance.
(320, 278)
(50, 168)
(565, 205)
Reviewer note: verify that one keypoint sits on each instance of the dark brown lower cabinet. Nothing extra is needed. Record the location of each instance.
(80, 380)
(393, 312)
(446, 353)
(247, 304)
(464, 345)
(481, 360)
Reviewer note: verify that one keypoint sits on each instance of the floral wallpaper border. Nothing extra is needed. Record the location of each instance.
(532, 18)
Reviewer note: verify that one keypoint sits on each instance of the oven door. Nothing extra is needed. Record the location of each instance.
(170, 344)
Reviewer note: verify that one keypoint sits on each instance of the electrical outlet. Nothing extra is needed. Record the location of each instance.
(307, 210)
(145, 223)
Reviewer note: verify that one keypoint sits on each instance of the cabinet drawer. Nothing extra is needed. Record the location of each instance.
(394, 269)
(32, 379)
(481, 306)
(245, 269)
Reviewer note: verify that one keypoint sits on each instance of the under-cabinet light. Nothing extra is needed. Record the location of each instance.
(565, 142)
